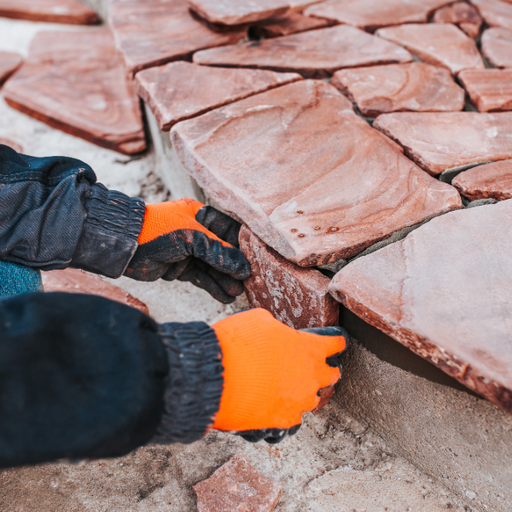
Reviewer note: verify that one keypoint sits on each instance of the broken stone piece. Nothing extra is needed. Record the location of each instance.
(237, 486)
(307, 175)
(317, 53)
(75, 82)
(443, 140)
(414, 86)
(169, 95)
(462, 14)
(496, 13)
(497, 47)
(493, 181)
(444, 292)
(286, 24)
(73, 280)
(9, 63)
(14, 145)
(490, 90)
(438, 44)
(50, 11)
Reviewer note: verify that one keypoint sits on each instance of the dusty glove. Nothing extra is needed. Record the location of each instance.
(272, 373)
(189, 241)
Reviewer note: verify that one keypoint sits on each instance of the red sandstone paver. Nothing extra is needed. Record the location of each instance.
(300, 5)
(168, 92)
(317, 53)
(444, 140)
(50, 11)
(414, 86)
(152, 32)
(237, 486)
(14, 145)
(490, 90)
(462, 14)
(444, 292)
(9, 63)
(437, 43)
(497, 47)
(307, 175)
(75, 81)
(495, 12)
(287, 24)
(486, 181)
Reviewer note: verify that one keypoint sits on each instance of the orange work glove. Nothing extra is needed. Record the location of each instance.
(272, 373)
(189, 241)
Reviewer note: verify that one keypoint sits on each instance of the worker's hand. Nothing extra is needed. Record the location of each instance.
(189, 241)
(272, 373)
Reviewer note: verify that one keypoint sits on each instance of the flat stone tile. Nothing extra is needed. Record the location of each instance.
(317, 53)
(496, 13)
(167, 89)
(444, 140)
(414, 86)
(300, 5)
(308, 176)
(438, 44)
(497, 47)
(490, 90)
(286, 24)
(492, 181)
(296, 296)
(445, 293)
(76, 82)
(462, 14)
(151, 32)
(9, 63)
(51, 11)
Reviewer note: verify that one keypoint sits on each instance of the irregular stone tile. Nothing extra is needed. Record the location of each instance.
(237, 486)
(151, 32)
(296, 296)
(167, 91)
(50, 11)
(14, 145)
(9, 63)
(317, 53)
(436, 43)
(300, 5)
(492, 181)
(73, 280)
(462, 14)
(75, 82)
(413, 86)
(286, 24)
(490, 90)
(444, 292)
(497, 47)
(440, 141)
(308, 176)
(495, 12)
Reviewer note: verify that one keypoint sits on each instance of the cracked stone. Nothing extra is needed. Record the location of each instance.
(75, 82)
(50, 11)
(495, 12)
(462, 14)
(413, 86)
(490, 181)
(438, 44)
(497, 47)
(9, 63)
(307, 175)
(490, 90)
(444, 292)
(286, 24)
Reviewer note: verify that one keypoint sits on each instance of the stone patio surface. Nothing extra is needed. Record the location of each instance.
(497, 47)
(286, 24)
(490, 90)
(54, 11)
(9, 63)
(462, 14)
(496, 13)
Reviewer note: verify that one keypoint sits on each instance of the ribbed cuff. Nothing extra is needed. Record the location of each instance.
(195, 382)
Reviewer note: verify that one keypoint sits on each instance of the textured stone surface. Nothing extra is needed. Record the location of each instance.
(496, 13)
(462, 14)
(317, 53)
(486, 181)
(286, 24)
(14, 145)
(54, 11)
(152, 32)
(413, 86)
(490, 90)
(497, 47)
(296, 296)
(9, 63)
(436, 43)
(237, 486)
(75, 81)
(77, 281)
(308, 176)
(444, 292)
(168, 92)
(440, 141)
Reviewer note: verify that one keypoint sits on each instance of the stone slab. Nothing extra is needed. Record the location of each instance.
(153, 32)
(9, 63)
(167, 89)
(296, 296)
(497, 47)
(462, 14)
(310, 178)
(71, 12)
(444, 140)
(438, 44)
(300, 5)
(444, 292)
(490, 90)
(287, 24)
(486, 181)
(237, 486)
(76, 82)
(414, 86)
(317, 53)
(496, 13)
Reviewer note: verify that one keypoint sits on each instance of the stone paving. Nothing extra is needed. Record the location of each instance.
(9, 63)
(497, 47)
(53, 11)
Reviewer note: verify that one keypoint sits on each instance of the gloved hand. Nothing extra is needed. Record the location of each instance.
(189, 241)
(272, 373)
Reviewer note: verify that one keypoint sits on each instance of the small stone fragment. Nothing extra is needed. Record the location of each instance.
(496, 13)
(286, 24)
(50, 11)
(490, 90)
(14, 145)
(9, 63)
(462, 14)
(497, 47)
(237, 486)
(492, 181)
